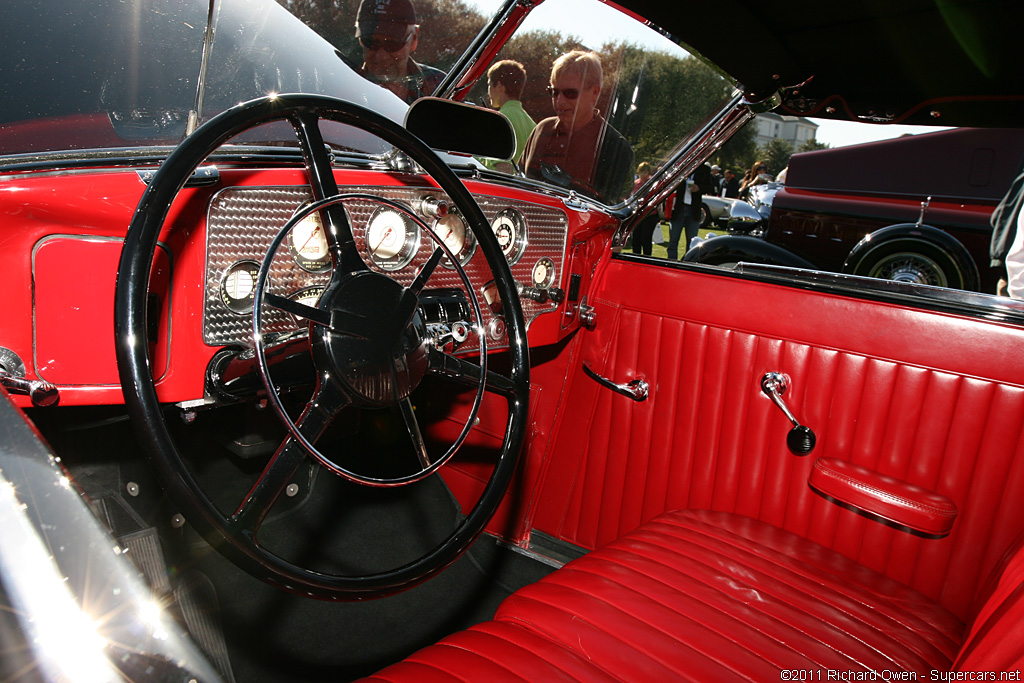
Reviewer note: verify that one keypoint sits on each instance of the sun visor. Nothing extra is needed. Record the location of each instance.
(458, 127)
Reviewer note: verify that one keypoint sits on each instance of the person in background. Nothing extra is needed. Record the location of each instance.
(730, 184)
(1015, 259)
(1006, 248)
(577, 148)
(643, 234)
(505, 81)
(686, 210)
(716, 181)
(388, 34)
(758, 175)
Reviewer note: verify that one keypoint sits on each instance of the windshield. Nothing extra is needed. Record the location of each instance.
(126, 73)
(589, 106)
(645, 96)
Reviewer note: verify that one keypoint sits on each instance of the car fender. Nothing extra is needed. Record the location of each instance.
(919, 232)
(728, 249)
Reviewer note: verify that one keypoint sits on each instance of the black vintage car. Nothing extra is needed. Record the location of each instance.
(295, 386)
(913, 209)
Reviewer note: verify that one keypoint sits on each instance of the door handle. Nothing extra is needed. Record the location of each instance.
(800, 438)
(636, 389)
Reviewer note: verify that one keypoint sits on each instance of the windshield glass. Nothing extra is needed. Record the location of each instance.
(609, 96)
(589, 105)
(126, 73)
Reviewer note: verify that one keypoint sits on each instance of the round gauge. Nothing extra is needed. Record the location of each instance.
(238, 285)
(543, 273)
(510, 228)
(456, 236)
(308, 244)
(391, 239)
(310, 296)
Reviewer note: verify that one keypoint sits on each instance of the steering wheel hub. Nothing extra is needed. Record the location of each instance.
(375, 347)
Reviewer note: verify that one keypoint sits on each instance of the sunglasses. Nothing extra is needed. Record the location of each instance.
(391, 45)
(569, 93)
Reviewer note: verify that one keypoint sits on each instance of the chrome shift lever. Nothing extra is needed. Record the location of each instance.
(800, 439)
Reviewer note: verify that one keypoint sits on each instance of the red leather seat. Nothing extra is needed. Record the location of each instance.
(698, 595)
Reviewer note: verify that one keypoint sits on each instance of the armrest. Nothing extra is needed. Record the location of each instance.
(878, 495)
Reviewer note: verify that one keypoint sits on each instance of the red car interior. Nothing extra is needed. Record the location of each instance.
(255, 301)
(891, 546)
(715, 551)
(711, 596)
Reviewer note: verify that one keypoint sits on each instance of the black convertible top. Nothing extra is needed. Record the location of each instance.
(929, 62)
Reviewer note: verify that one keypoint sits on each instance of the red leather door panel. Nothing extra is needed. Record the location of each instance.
(933, 399)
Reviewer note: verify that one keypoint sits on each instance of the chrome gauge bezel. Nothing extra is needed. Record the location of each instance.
(466, 246)
(398, 253)
(543, 273)
(239, 305)
(307, 243)
(510, 222)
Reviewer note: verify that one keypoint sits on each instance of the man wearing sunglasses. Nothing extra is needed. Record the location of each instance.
(388, 33)
(577, 148)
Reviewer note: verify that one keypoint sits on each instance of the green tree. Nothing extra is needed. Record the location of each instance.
(775, 155)
(738, 151)
(813, 145)
(658, 99)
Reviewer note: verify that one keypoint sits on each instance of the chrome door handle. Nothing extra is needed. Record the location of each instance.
(636, 389)
(800, 438)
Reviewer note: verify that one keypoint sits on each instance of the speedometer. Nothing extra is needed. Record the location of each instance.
(452, 230)
(509, 227)
(308, 244)
(391, 239)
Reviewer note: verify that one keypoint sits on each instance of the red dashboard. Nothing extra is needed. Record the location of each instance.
(62, 237)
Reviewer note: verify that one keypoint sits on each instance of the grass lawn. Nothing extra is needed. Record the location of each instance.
(660, 251)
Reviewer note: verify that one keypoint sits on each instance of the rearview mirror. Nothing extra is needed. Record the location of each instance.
(457, 127)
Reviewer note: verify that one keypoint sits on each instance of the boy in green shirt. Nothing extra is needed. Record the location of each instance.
(505, 81)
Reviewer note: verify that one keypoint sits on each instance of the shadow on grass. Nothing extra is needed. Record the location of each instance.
(661, 250)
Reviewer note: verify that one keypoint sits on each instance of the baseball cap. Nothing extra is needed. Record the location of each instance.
(384, 18)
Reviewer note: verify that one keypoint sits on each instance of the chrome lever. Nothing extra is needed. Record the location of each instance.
(636, 389)
(43, 394)
(800, 438)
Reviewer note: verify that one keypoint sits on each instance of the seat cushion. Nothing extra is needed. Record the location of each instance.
(705, 596)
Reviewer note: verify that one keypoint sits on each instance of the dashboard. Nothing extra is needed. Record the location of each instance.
(243, 222)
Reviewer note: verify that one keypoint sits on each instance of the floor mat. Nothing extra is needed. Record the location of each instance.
(277, 636)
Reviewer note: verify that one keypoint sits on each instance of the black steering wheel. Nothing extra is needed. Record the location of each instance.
(366, 340)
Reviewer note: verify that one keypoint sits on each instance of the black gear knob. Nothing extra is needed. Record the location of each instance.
(800, 440)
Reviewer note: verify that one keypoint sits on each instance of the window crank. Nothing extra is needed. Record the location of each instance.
(800, 438)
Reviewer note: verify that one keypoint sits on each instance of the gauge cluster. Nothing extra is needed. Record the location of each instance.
(243, 221)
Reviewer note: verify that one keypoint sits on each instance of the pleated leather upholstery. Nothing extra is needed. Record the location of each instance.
(698, 596)
(491, 652)
(932, 399)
